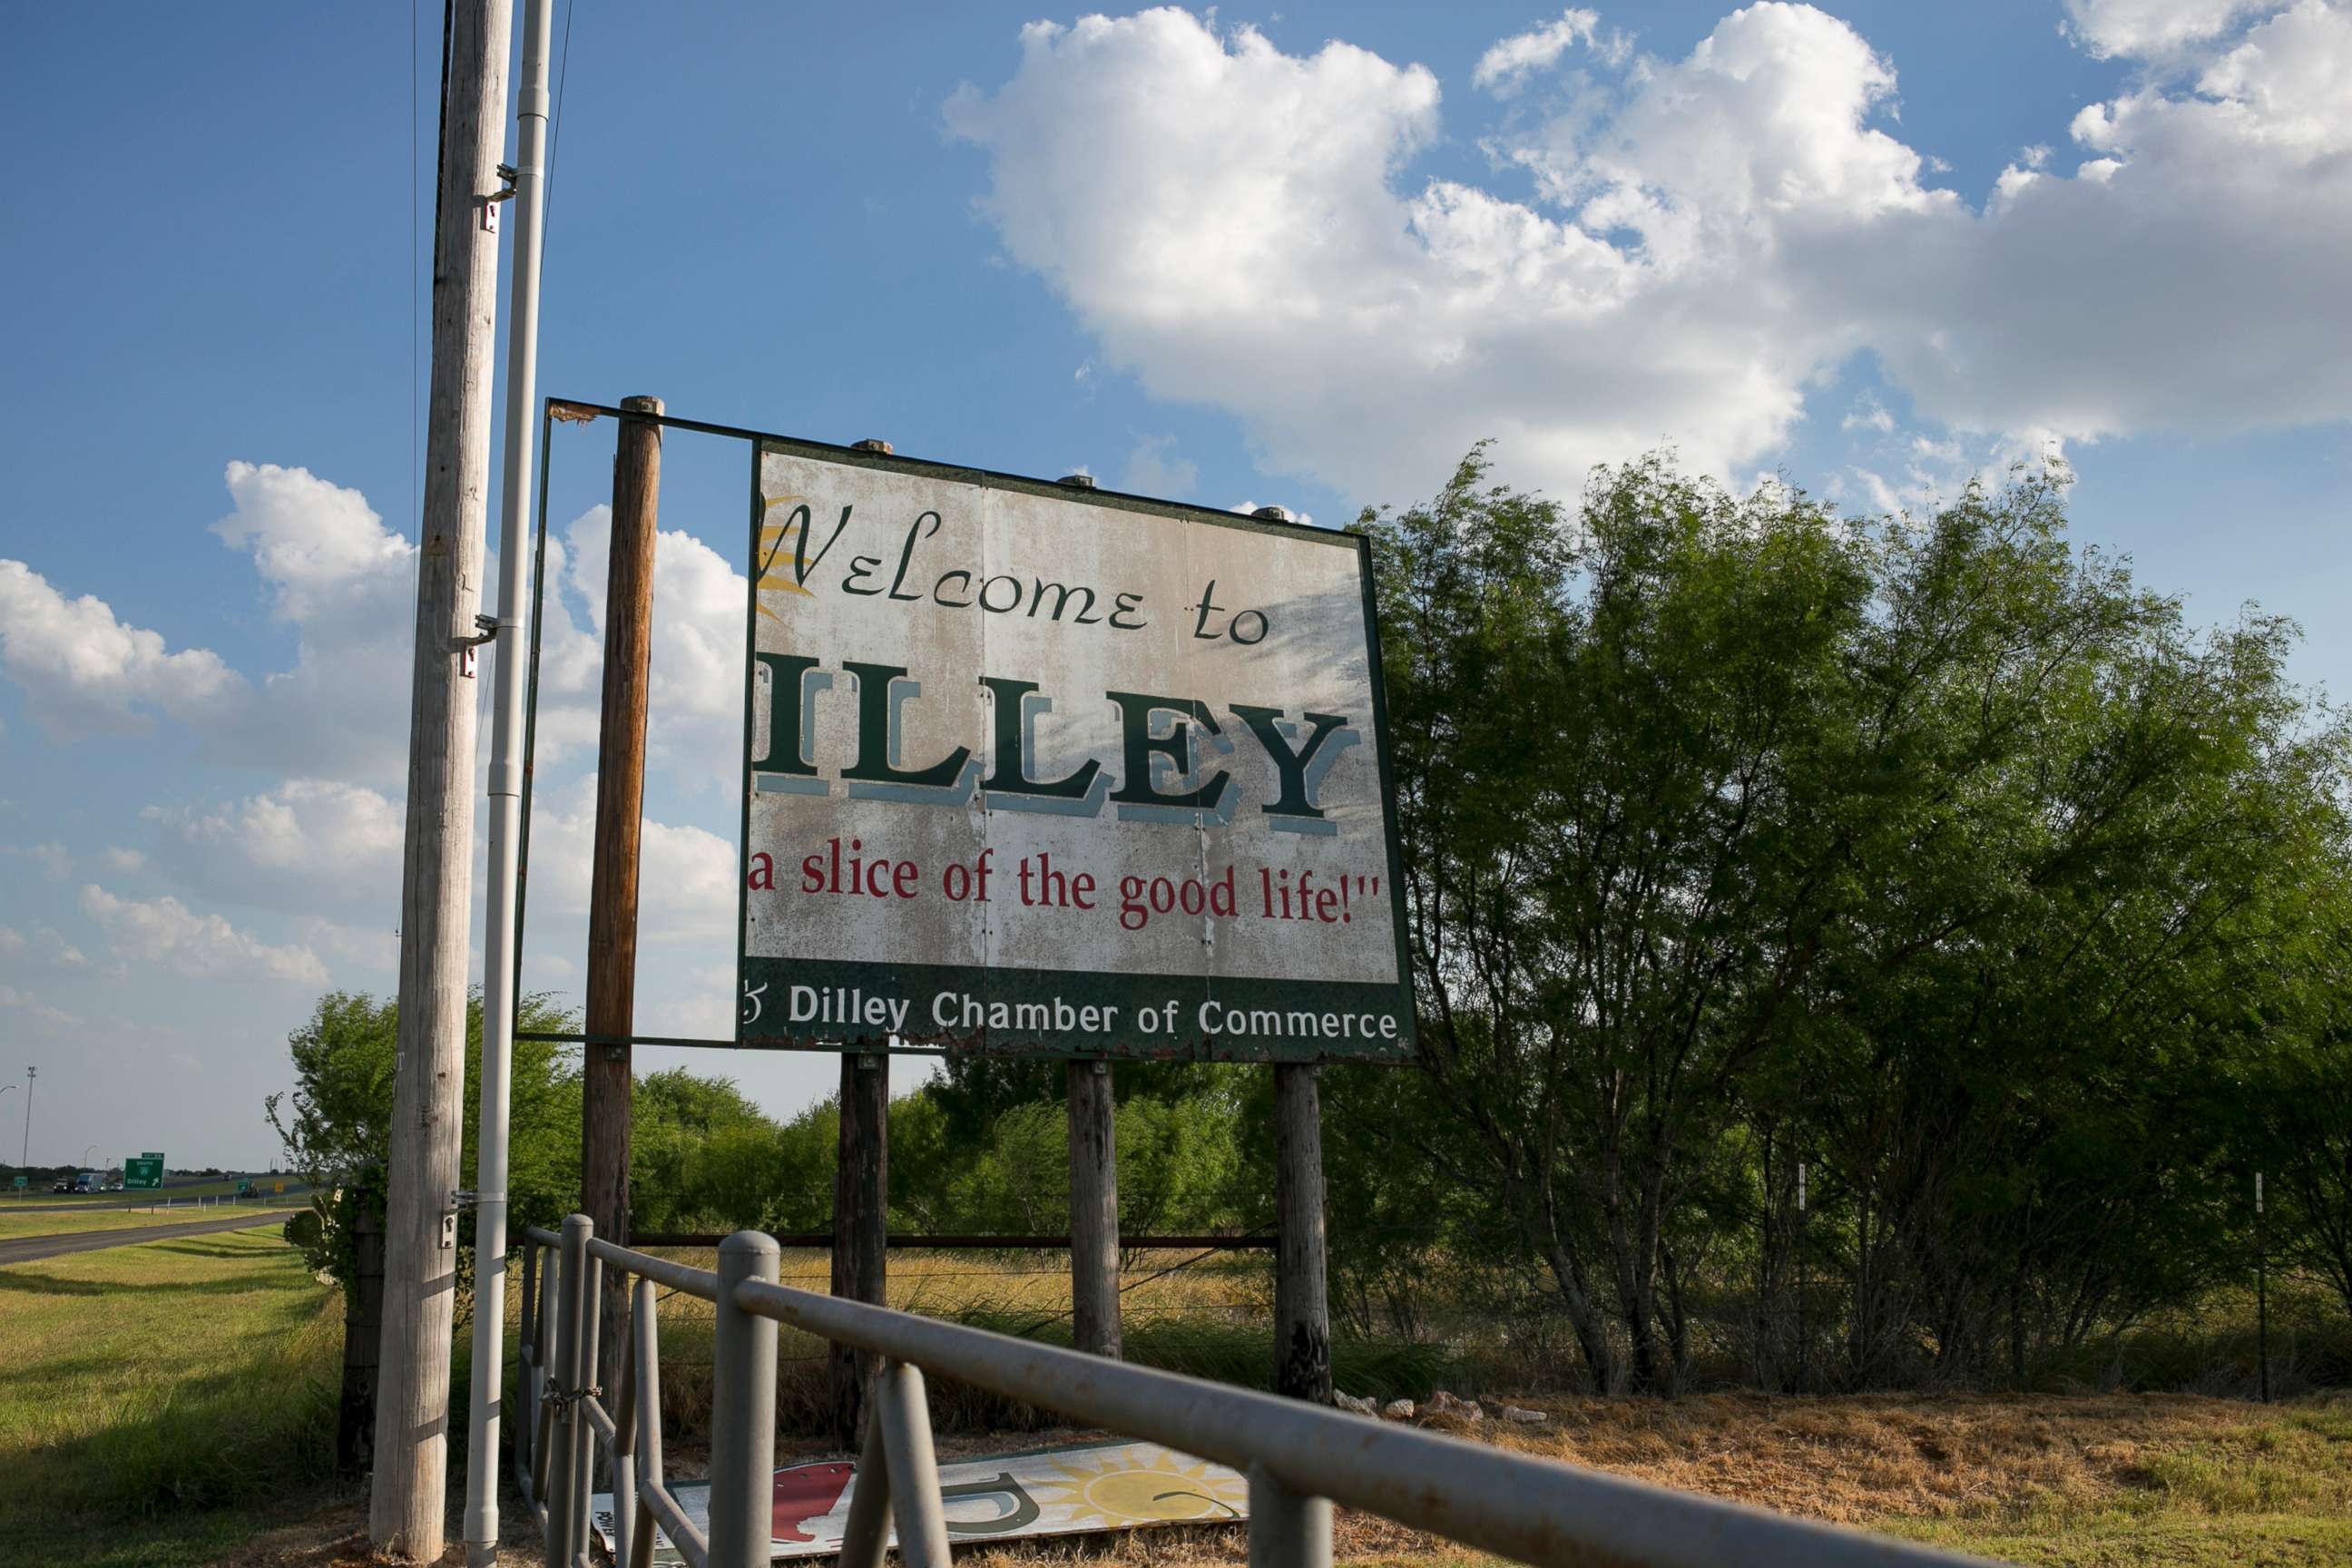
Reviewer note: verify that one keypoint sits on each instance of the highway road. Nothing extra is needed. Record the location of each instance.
(33, 1248)
(62, 1204)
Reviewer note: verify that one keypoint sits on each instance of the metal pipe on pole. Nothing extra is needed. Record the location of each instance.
(407, 1517)
(499, 1001)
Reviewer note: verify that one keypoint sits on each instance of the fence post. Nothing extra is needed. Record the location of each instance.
(866, 1534)
(622, 1408)
(914, 1467)
(565, 1379)
(646, 1328)
(583, 1432)
(1287, 1529)
(363, 1332)
(743, 1413)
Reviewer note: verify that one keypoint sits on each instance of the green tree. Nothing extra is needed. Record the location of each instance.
(336, 1122)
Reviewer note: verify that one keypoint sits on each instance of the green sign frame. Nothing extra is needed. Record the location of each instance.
(893, 995)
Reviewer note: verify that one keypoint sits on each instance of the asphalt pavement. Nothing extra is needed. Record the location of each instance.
(33, 1248)
(61, 1204)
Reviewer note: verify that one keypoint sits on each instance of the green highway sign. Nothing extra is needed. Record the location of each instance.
(143, 1173)
(22, 1183)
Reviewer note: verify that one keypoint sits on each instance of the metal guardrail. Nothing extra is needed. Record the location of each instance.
(1299, 1459)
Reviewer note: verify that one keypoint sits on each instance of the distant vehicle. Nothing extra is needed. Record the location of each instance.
(65, 1184)
(89, 1182)
(114, 1183)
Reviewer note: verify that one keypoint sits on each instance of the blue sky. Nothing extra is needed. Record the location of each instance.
(1300, 257)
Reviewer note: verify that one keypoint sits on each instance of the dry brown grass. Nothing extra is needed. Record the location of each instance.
(2098, 1480)
(2085, 1481)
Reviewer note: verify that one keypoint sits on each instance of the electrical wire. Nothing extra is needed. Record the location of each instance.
(555, 125)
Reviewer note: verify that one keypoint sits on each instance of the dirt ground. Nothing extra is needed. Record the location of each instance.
(2131, 1477)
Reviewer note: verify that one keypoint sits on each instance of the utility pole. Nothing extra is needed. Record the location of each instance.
(491, 1143)
(605, 1065)
(405, 1506)
(24, 1155)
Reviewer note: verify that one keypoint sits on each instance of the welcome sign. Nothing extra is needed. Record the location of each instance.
(1035, 769)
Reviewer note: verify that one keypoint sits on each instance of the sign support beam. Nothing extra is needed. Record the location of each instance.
(861, 1204)
(1094, 1210)
(606, 1071)
(1302, 1317)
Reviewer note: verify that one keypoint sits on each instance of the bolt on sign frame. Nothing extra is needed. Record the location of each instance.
(1038, 769)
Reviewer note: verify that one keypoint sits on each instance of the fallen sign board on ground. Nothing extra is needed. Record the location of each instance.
(1040, 770)
(1061, 1491)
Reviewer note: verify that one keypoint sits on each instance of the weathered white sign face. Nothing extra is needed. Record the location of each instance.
(1034, 769)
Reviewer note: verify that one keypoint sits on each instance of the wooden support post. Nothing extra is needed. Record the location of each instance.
(1302, 1320)
(363, 1328)
(407, 1514)
(861, 1201)
(1094, 1211)
(605, 1069)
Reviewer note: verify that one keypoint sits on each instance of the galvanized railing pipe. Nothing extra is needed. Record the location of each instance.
(904, 1417)
(1527, 1509)
(1299, 1459)
(581, 1404)
(564, 1488)
(743, 1420)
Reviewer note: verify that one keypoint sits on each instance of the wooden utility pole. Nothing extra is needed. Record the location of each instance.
(606, 1081)
(861, 1204)
(1094, 1211)
(406, 1505)
(1302, 1320)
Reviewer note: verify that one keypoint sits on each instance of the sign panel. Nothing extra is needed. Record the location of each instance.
(1065, 1491)
(142, 1172)
(1034, 769)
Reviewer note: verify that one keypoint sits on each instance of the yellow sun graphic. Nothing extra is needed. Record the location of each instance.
(1138, 1484)
(773, 544)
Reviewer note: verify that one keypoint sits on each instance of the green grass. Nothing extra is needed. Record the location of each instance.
(157, 1397)
(16, 1226)
(2274, 1489)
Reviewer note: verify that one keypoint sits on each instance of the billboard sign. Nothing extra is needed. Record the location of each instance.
(1035, 769)
(143, 1173)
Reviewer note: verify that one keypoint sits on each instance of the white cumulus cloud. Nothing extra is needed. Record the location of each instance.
(84, 672)
(1707, 240)
(2143, 27)
(1505, 67)
(164, 934)
(304, 847)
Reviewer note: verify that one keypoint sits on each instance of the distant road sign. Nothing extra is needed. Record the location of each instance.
(143, 1173)
(22, 1183)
